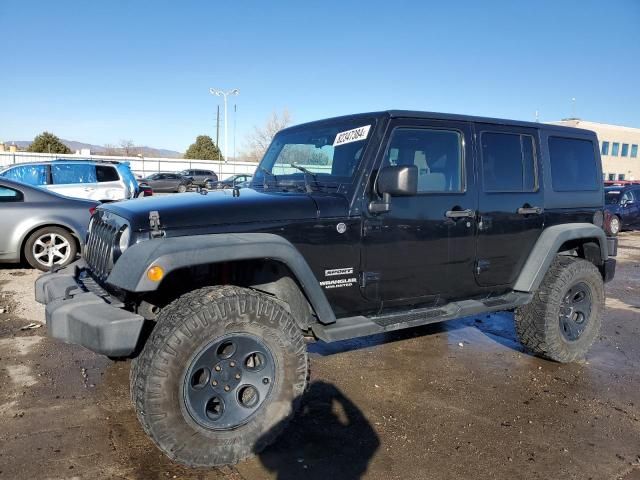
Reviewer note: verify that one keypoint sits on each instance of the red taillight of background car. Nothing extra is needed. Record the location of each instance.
(92, 210)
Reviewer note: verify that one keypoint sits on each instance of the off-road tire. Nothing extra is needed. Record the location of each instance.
(537, 323)
(182, 188)
(184, 328)
(59, 232)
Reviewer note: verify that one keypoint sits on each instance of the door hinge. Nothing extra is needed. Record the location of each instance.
(154, 224)
(369, 277)
(482, 266)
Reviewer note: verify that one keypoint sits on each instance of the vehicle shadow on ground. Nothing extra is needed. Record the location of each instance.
(329, 438)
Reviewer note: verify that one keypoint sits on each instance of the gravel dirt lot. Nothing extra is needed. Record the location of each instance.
(457, 400)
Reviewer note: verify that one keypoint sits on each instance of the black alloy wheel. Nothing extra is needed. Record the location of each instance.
(575, 311)
(228, 381)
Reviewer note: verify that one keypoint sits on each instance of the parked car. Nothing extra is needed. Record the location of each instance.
(168, 182)
(622, 205)
(353, 226)
(40, 226)
(201, 178)
(103, 181)
(145, 190)
(239, 180)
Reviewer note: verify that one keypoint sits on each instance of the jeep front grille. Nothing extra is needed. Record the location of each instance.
(98, 252)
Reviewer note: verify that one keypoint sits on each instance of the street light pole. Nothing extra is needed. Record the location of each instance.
(225, 94)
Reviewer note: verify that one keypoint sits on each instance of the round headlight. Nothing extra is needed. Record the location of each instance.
(123, 240)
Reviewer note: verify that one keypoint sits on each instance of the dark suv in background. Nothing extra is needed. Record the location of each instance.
(352, 226)
(201, 178)
(622, 206)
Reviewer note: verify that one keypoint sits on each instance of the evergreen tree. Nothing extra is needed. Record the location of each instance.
(203, 149)
(47, 142)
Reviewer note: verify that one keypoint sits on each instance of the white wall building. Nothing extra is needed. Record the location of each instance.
(618, 148)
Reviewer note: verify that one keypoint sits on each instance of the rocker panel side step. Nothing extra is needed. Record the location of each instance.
(360, 326)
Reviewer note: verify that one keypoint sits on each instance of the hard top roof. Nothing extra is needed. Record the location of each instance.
(454, 117)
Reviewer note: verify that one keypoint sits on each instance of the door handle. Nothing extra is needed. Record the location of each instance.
(529, 211)
(460, 213)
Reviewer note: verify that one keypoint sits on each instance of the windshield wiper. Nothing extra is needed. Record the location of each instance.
(306, 172)
(272, 175)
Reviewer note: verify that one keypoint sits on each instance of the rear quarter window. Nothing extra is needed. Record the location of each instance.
(573, 164)
(106, 173)
(9, 195)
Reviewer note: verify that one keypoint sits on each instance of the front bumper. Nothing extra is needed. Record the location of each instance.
(79, 311)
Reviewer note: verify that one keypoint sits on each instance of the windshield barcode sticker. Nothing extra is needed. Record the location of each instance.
(355, 135)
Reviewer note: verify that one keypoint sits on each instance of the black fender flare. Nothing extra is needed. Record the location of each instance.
(547, 247)
(129, 272)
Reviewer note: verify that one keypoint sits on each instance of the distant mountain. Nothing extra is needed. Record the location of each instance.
(102, 150)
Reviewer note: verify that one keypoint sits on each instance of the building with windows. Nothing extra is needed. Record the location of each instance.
(618, 148)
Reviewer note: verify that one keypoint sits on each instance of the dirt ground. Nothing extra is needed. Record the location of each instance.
(457, 400)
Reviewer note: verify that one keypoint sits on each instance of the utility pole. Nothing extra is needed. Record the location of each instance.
(222, 93)
(235, 115)
(218, 132)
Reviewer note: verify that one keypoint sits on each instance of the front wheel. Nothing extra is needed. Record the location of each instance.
(182, 188)
(220, 375)
(563, 319)
(615, 225)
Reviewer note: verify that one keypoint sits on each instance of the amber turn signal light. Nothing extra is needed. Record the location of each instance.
(155, 274)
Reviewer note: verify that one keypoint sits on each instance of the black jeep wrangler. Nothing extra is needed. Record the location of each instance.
(352, 226)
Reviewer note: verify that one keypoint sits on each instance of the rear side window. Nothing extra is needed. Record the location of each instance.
(106, 174)
(9, 195)
(508, 162)
(31, 174)
(63, 174)
(573, 165)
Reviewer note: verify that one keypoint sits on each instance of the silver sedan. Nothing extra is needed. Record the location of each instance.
(39, 226)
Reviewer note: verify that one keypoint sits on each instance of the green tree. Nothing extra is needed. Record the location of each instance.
(203, 149)
(47, 142)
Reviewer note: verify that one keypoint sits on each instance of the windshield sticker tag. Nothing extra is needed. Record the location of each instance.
(355, 135)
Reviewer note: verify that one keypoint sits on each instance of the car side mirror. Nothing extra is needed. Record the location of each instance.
(396, 181)
(628, 202)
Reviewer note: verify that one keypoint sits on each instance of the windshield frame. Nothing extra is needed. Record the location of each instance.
(325, 183)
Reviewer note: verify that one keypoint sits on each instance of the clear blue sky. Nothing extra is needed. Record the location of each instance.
(100, 71)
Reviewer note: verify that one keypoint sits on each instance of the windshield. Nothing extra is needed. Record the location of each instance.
(319, 156)
(612, 197)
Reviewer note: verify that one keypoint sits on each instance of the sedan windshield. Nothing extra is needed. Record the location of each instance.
(324, 155)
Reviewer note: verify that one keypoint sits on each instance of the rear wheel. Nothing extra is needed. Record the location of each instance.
(220, 375)
(563, 319)
(50, 246)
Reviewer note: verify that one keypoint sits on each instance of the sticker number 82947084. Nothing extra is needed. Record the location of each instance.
(354, 135)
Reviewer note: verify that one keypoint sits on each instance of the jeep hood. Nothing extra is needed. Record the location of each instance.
(193, 210)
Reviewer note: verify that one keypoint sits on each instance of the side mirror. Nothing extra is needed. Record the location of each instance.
(628, 202)
(397, 181)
